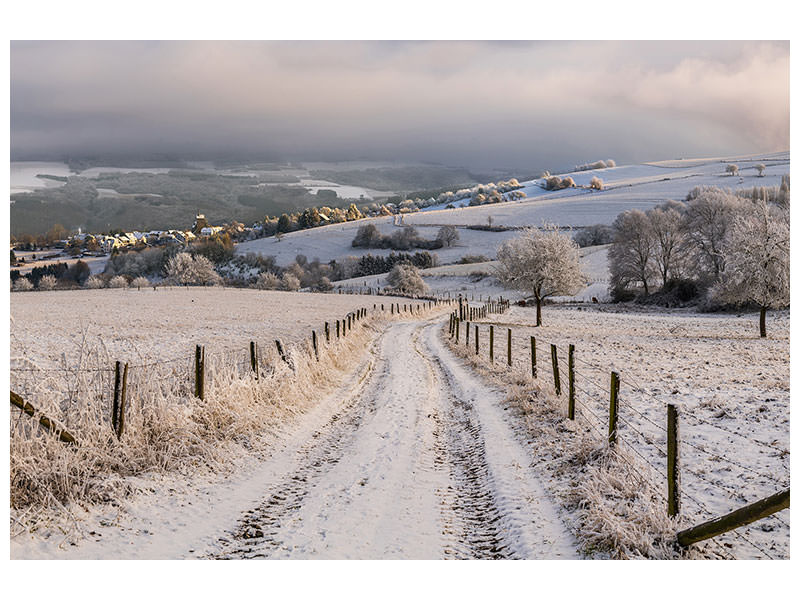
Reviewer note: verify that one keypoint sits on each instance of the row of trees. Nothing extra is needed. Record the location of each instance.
(730, 248)
(406, 238)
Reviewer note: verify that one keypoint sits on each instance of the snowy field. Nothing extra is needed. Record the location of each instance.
(627, 187)
(134, 326)
(731, 387)
(476, 281)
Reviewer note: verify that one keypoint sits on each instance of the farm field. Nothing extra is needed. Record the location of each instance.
(146, 325)
(731, 388)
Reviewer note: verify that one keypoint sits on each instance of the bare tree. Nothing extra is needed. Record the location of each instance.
(448, 235)
(543, 263)
(267, 281)
(707, 219)
(185, 269)
(631, 257)
(668, 249)
(406, 278)
(757, 256)
(761, 167)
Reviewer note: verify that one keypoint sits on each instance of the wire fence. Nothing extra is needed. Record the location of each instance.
(639, 432)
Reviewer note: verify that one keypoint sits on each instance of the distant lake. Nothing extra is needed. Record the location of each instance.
(23, 175)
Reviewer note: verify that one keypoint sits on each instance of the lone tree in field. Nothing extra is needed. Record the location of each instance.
(596, 183)
(732, 169)
(184, 269)
(543, 263)
(757, 262)
(448, 235)
(405, 278)
(761, 167)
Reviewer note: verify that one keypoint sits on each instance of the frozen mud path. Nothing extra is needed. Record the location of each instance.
(419, 462)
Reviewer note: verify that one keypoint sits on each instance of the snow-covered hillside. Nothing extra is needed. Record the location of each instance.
(626, 187)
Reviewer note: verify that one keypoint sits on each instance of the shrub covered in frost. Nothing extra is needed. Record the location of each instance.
(140, 282)
(46, 283)
(95, 282)
(118, 281)
(405, 278)
(23, 284)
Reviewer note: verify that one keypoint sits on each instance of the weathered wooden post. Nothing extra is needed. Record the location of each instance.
(253, 359)
(556, 374)
(337, 329)
(509, 346)
(491, 343)
(115, 404)
(458, 328)
(612, 410)
(533, 357)
(199, 371)
(673, 464)
(281, 353)
(466, 341)
(391, 306)
(122, 402)
(327, 332)
(314, 344)
(477, 349)
(571, 364)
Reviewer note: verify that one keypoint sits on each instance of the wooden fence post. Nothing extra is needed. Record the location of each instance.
(509, 346)
(199, 371)
(466, 341)
(327, 332)
(458, 327)
(44, 421)
(281, 353)
(337, 329)
(556, 374)
(491, 343)
(314, 344)
(673, 465)
(253, 359)
(533, 357)
(477, 348)
(571, 363)
(738, 518)
(612, 410)
(122, 401)
(115, 403)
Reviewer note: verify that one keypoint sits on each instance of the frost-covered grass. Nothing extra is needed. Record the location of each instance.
(613, 510)
(167, 429)
(731, 388)
(130, 325)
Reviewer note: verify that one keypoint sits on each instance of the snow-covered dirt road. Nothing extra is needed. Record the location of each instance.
(418, 462)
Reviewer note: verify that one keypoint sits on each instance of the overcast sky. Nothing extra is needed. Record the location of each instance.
(478, 104)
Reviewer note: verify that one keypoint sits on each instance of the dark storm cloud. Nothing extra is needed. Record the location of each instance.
(477, 103)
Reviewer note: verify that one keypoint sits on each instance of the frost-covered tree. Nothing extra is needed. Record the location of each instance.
(118, 281)
(708, 216)
(140, 282)
(757, 261)
(405, 278)
(732, 169)
(185, 269)
(761, 167)
(668, 248)
(631, 257)
(267, 281)
(47, 283)
(596, 183)
(23, 284)
(95, 282)
(448, 235)
(290, 282)
(540, 262)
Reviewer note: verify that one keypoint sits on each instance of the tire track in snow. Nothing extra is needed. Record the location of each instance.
(416, 464)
